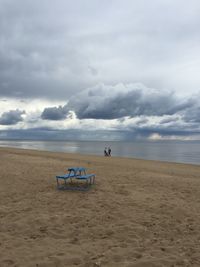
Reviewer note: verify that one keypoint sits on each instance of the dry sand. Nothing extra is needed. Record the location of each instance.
(139, 213)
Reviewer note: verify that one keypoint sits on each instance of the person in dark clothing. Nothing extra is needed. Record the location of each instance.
(105, 152)
(109, 151)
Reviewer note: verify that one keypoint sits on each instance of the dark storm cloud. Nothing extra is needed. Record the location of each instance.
(54, 113)
(54, 49)
(192, 114)
(11, 117)
(132, 100)
(125, 100)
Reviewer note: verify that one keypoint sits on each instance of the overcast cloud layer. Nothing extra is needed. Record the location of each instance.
(128, 67)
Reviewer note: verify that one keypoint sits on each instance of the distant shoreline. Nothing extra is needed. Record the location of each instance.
(164, 151)
(24, 150)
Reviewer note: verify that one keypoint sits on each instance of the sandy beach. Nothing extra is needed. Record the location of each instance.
(139, 213)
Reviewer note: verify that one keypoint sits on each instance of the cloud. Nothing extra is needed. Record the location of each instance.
(11, 117)
(54, 113)
(125, 111)
(121, 132)
(112, 102)
(169, 119)
(53, 50)
(70, 134)
(192, 114)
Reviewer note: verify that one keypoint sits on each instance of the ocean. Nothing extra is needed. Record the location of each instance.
(171, 151)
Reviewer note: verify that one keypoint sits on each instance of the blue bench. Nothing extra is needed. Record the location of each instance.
(87, 177)
(74, 174)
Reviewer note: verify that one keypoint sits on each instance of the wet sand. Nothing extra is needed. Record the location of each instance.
(139, 213)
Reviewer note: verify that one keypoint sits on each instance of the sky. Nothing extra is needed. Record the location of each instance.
(100, 69)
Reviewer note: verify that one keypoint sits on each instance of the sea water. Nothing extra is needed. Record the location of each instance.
(171, 151)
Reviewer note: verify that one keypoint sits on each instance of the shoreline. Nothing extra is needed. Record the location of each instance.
(139, 213)
(179, 152)
(95, 155)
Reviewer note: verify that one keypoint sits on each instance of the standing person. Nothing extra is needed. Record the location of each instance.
(109, 151)
(105, 152)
